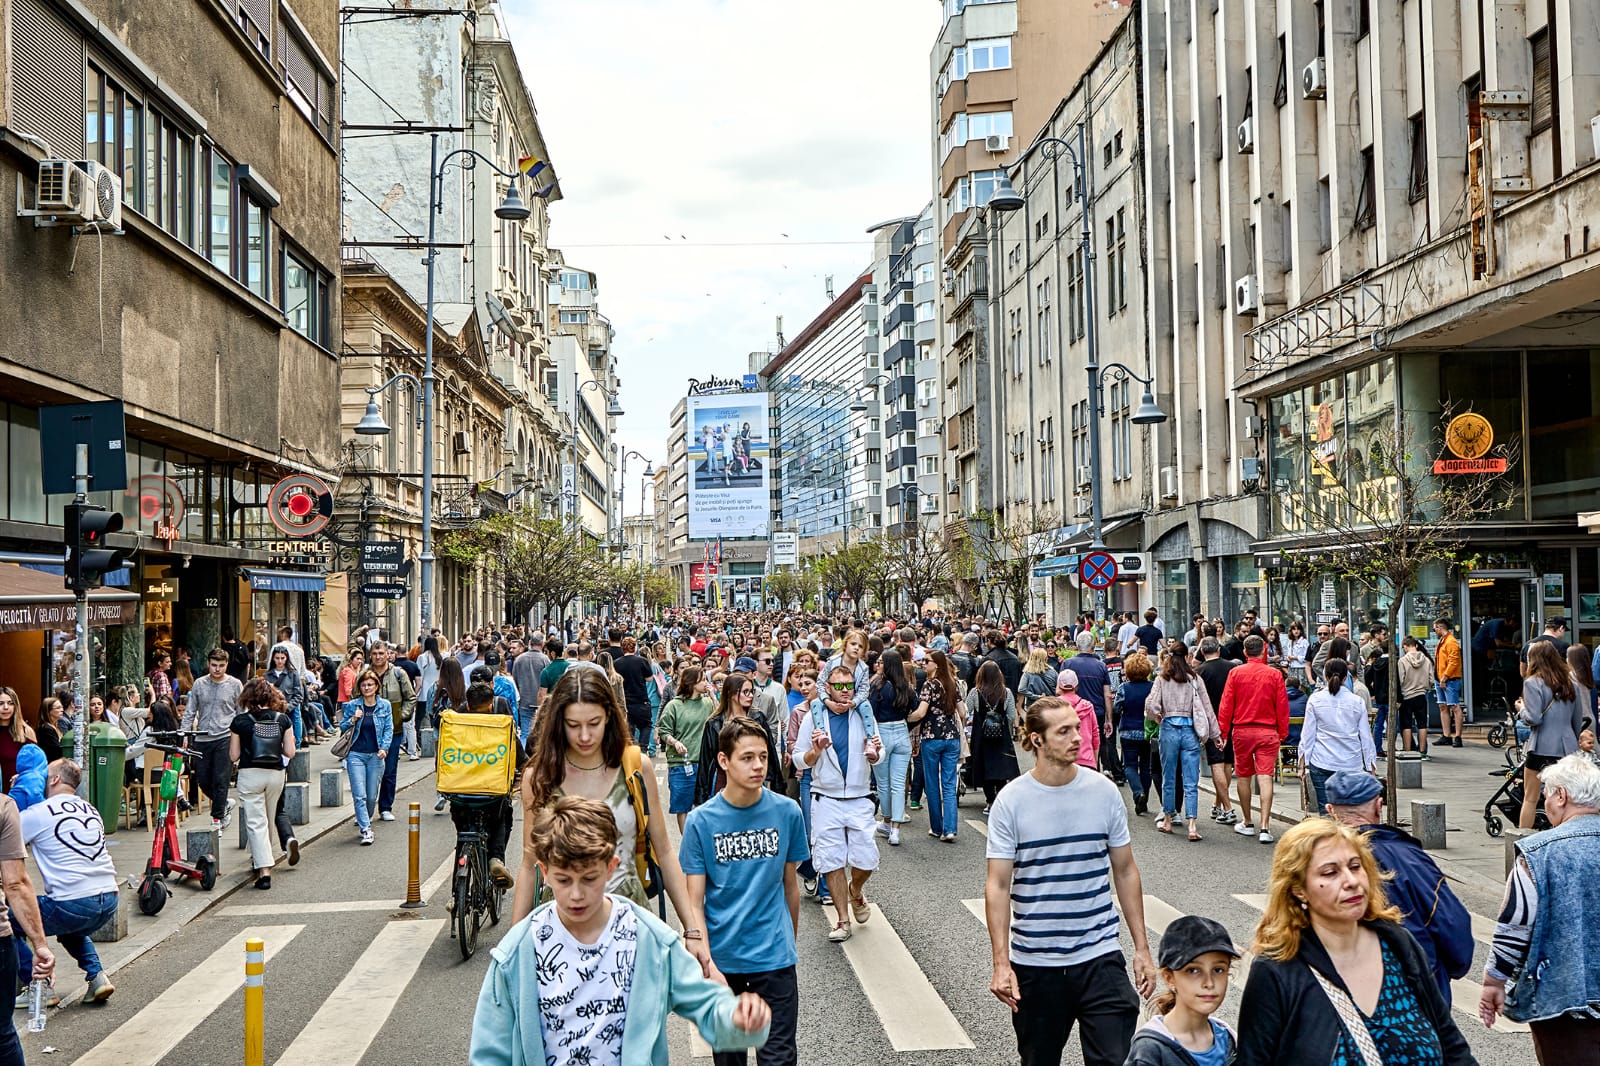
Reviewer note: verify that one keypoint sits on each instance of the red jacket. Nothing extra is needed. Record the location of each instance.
(1255, 695)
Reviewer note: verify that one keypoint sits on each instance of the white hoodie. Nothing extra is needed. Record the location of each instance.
(827, 778)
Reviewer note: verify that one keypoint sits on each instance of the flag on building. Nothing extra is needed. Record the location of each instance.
(530, 165)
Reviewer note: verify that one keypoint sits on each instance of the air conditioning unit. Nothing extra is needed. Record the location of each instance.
(1245, 297)
(997, 142)
(106, 188)
(1169, 483)
(1085, 474)
(1245, 137)
(1082, 505)
(950, 484)
(461, 443)
(924, 401)
(1314, 79)
(1133, 564)
(63, 189)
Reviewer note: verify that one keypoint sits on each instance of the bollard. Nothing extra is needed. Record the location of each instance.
(414, 898)
(255, 1007)
(1427, 823)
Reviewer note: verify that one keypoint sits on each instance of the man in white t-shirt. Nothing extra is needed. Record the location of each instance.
(1127, 635)
(68, 840)
(1053, 935)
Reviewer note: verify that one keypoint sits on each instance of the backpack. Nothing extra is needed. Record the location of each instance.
(644, 856)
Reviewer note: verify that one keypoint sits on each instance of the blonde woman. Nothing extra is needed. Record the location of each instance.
(1334, 969)
(1038, 679)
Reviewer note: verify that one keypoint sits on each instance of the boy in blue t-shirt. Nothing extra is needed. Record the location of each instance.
(738, 849)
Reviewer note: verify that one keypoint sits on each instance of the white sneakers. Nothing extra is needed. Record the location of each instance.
(1245, 829)
(387, 816)
(1265, 837)
(894, 836)
(366, 837)
(839, 933)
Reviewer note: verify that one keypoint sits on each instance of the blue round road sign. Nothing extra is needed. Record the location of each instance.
(1098, 570)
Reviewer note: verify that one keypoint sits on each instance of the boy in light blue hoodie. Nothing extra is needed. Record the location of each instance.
(592, 976)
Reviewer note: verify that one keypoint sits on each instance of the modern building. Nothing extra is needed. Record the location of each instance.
(1052, 299)
(585, 375)
(827, 416)
(1374, 214)
(903, 277)
(175, 246)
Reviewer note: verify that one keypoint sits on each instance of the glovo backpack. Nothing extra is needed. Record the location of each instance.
(477, 754)
(644, 858)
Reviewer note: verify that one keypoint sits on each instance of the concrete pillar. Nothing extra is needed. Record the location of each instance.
(297, 802)
(1427, 823)
(428, 740)
(332, 789)
(300, 766)
(1409, 769)
(198, 842)
(116, 927)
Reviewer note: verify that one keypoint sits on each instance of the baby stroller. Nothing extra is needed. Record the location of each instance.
(1507, 799)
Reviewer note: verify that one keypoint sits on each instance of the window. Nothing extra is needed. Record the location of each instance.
(984, 184)
(113, 131)
(1367, 198)
(1116, 262)
(1043, 317)
(1077, 319)
(1016, 342)
(987, 124)
(1418, 185)
(1363, 18)
(574, 318)
(574, 279)
(1324, 216)
(989, 53)
(306, 302)
(1543, 88)
(955, 133)
(1322, 29)
(1280, 94)
(1041, 227)
(1116, 143)
(1121, 430)
(219, 212)
(308, 85)
(255, 248)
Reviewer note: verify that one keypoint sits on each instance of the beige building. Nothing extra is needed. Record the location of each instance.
(586, 387)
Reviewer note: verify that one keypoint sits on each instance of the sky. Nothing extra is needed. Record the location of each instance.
(718, 159)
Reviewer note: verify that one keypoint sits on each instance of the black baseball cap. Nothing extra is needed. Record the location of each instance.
(1191, 936)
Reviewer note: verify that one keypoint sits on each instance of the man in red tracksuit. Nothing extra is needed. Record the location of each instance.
(1255, 709)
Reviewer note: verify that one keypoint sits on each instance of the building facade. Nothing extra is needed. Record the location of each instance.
(1375, 220)
(181, 258)
(585, 374)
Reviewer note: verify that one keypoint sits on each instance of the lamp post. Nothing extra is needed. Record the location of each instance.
(622, 508)
(511, 209)
(1005, 200)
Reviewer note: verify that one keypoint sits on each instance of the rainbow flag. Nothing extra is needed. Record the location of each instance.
(530, 165)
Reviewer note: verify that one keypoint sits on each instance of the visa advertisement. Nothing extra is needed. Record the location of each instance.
(729, 490)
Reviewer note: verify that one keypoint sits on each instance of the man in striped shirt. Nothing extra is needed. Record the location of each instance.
(1058, 841)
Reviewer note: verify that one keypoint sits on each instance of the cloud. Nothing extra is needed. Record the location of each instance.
(729, 123)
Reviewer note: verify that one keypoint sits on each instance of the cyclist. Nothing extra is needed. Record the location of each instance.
(481, 699)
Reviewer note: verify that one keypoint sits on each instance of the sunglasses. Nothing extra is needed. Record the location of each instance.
(841, 686)
(767, 661)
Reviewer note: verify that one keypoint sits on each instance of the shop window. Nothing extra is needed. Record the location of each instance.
(1287, 458)
(1366, 467)
(1488, 383)
(1565, 436)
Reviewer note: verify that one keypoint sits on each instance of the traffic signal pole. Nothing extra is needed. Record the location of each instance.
(83, 675)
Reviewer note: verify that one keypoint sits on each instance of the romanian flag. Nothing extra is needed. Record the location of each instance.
(530, 165)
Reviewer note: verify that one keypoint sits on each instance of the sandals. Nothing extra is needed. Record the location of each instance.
(1194, 833)
(1164, 824)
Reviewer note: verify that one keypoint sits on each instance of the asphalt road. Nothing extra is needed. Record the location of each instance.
(378, 985)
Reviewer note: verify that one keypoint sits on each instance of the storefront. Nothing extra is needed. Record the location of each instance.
(38, 642)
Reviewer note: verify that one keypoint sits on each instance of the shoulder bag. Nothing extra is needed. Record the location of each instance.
(1350, 1018)
(644, 854)
(341, 747)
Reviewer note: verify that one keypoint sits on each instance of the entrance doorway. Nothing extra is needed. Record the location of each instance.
(1503, 607)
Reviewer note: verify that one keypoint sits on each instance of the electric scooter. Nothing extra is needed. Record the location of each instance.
(165, 858)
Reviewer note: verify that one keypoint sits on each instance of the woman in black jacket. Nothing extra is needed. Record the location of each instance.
(1334, 967)
(738, 698)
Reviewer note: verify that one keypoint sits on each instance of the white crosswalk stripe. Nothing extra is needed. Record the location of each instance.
(337, 1034)
(913, 1015)
(1463, 993)
(266, 910)
(148, 1037)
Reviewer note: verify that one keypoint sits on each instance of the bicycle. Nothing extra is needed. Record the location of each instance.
(473, 893)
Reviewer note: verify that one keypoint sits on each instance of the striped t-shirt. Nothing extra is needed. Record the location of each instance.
(1057, 838)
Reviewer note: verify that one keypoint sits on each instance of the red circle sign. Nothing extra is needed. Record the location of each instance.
(300, 505)
(1098, 570)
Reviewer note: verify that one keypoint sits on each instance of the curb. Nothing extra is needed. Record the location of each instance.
(217, 897)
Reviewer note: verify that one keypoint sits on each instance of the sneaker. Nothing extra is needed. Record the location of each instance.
(1264, 836)
(500, 875)
(883, 829)
(413, 757)
(839, 933)
(99, 990)
(440, 804)
(1216, 814)
(366, 837)
(51, 998)
(822, 895)
(894, 836)
(387, 816)
(294, 852)
(985, 811)
(264, 882)
(1245, 829)
(227, 816)
(914, 805)
(1228, 817)
(810, 885)
(1425, 758)
(1456, 742)
(860, 909)
(949, 838)
(218, 825)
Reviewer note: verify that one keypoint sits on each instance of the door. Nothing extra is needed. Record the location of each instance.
(1502, 608)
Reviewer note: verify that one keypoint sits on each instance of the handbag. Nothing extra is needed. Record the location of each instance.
(1350, 1018)
(341, 747)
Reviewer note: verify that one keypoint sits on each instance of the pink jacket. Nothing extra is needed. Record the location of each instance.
(1088, 730)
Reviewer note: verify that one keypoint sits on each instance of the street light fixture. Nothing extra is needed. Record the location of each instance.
(372, 423)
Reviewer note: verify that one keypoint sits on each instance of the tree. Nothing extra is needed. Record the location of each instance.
(1005, 550)
(539, 561)
(849, 570)
(923, 564)
(659, 590)
(787, 586)
(1388, 517)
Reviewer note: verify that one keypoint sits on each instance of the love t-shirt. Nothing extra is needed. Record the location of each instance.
(68, 840)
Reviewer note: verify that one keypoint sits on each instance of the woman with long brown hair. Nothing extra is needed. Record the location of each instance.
(938, 716)
(262, 741)
(1334, 969)
(1178, 701)
(14, 732)
(737, 701)
(449, 694)
(992, 710)
(1553, 705)
(578, 748)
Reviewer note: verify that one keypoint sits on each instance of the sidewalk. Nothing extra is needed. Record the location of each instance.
(1458, 777)
(130, 851)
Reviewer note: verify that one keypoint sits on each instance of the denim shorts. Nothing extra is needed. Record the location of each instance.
(1448, 692)
(680, 789)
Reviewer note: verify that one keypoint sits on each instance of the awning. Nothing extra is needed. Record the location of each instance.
(31, 601)
(285, 580)
(119, 578)
(1083, 537)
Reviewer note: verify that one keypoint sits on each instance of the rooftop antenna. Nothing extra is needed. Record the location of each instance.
(780, 333)
(827, 284)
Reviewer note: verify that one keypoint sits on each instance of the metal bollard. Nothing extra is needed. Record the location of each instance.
(255, 1006)
(414, 898)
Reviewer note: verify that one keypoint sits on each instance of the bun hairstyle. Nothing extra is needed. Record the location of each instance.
(1335, 673)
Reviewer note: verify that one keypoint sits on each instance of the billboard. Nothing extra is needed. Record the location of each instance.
(729, 490)
(786, 549)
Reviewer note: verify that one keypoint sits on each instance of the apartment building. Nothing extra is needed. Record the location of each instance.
(585, 387)
(172, 244)
(905, 391)
(1376, 212)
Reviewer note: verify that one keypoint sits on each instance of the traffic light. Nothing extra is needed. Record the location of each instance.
(88, 557)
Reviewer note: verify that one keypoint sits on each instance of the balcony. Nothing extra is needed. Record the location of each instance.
(904, 349)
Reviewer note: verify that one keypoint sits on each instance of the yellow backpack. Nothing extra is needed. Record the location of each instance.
(644, 856)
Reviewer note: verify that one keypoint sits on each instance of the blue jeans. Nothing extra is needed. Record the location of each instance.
(1319, 782)
(1136, 763)
(891, 769)
(70, 921)
(806, 869)
(1380, 727)
(299, 725)
(365, 770)
(1180, 747)
(918, 780)
(939, 761)
(525, 724)
(391, 771)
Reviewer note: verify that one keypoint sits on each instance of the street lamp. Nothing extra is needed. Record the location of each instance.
(512, 209)
(1007, 199)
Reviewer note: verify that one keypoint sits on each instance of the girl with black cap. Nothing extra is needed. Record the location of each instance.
(1196, 955)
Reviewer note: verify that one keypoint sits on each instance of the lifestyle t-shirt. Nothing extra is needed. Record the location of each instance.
(583, 988)
(742, 852)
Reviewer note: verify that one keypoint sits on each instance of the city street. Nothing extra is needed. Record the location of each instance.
(352, 979)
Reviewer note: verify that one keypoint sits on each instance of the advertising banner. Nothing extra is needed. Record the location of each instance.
(729, 491)
(786, 549)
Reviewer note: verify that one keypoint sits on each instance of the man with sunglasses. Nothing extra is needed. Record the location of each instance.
(772, 700)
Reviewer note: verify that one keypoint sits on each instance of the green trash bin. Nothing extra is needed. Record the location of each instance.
(107, 746)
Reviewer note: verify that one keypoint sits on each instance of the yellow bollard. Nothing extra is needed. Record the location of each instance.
(255, 1006)
(414, 898)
